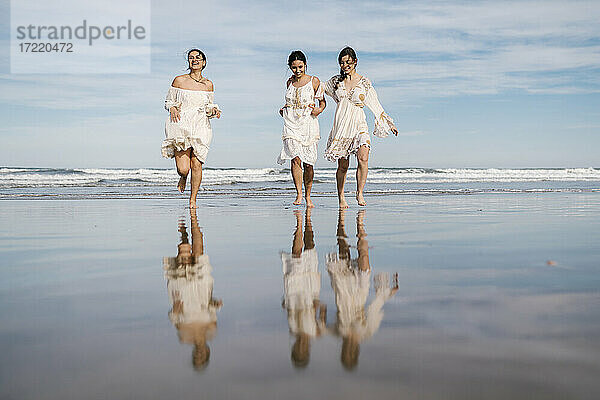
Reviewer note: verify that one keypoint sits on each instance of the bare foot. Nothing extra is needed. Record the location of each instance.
(181, 184)
(298, 200)
(343, 203)
(361, 199)
(309, 203)
(193, 205)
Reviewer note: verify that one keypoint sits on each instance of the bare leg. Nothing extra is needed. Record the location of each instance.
(361, 173)
(309, 174)
(298, 240)
(182, 162)
(296, 166)
(309, 237)
(197, 236)
(196, 179)
(343, 248)
(340, 177)
(362, 244)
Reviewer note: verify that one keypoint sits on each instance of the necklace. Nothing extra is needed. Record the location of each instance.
(197, 80)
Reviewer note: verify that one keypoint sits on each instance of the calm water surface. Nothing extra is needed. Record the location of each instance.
(496, 297)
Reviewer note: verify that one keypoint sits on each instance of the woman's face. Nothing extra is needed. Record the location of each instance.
(298, 68)
(347, 64)
(196, 61)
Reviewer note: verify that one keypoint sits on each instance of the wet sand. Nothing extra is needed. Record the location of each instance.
(497, 298)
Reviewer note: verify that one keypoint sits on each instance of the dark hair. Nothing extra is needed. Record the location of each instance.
(346, 51)
(295, 56)
(201, 53)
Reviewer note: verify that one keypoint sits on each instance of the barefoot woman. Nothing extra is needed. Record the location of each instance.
(190, 105)
(300, 125)
(350, 133)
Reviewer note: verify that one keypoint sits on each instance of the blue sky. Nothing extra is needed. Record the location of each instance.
(469, 84)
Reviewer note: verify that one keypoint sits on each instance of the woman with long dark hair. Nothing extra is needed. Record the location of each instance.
(190, 102)
(350, 133)
(300, 125)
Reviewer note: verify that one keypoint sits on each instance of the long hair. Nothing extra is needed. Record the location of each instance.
(201, 53)
(346, 51)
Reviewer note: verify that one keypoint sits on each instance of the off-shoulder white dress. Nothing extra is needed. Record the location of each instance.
(350, 130)
(300, 128)
(193, 286)
(193, 129)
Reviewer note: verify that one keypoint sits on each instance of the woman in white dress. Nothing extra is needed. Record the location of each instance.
(190, 288)
(300, 125)
(350, 133)
(350, 280)
(302, 286)
(190, 102)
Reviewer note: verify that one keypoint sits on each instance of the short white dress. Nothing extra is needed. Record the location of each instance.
(300, 128)
(350, 130)
(193, 129)
(302, 285)
(193, 286)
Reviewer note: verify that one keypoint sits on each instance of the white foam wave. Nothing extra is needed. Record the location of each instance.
(38, 177)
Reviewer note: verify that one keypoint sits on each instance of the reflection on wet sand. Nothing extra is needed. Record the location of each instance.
(302, 285)
(190, 286)
(350, 280)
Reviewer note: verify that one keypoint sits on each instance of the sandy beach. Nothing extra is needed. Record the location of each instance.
(497, 298)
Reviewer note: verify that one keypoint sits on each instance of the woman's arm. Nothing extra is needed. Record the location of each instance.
(319, 96)
(172, 103)
(383, 123)
(212, 109)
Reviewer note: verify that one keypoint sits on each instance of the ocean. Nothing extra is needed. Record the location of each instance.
(65, 183)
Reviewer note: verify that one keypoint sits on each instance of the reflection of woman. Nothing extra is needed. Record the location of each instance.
(190, 285)
(302, 284)
(190, 102)
(300, 125)
(350, 280)
(350, 133)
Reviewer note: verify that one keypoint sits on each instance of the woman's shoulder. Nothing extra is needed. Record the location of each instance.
(179, 81)
(183, 81)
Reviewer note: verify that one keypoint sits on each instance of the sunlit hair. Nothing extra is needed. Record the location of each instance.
(346, 51)
(296, 55)
(201, 53)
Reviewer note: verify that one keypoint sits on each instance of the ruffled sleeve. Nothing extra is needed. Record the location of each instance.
(211, 104)
(173, 99)
(374, 313)
(320, 93)
(383, 122)
(330, 86)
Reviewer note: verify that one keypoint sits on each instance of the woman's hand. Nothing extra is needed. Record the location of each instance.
(175, 116)
(315, 110)
(213, 112)
(281, 111)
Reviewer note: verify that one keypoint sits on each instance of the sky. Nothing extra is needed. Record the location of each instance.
(490, 84)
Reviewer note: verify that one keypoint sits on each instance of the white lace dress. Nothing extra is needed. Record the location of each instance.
(300, 128)
(193, 129)
(302, 285)
(350, 130)
(351, 287)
